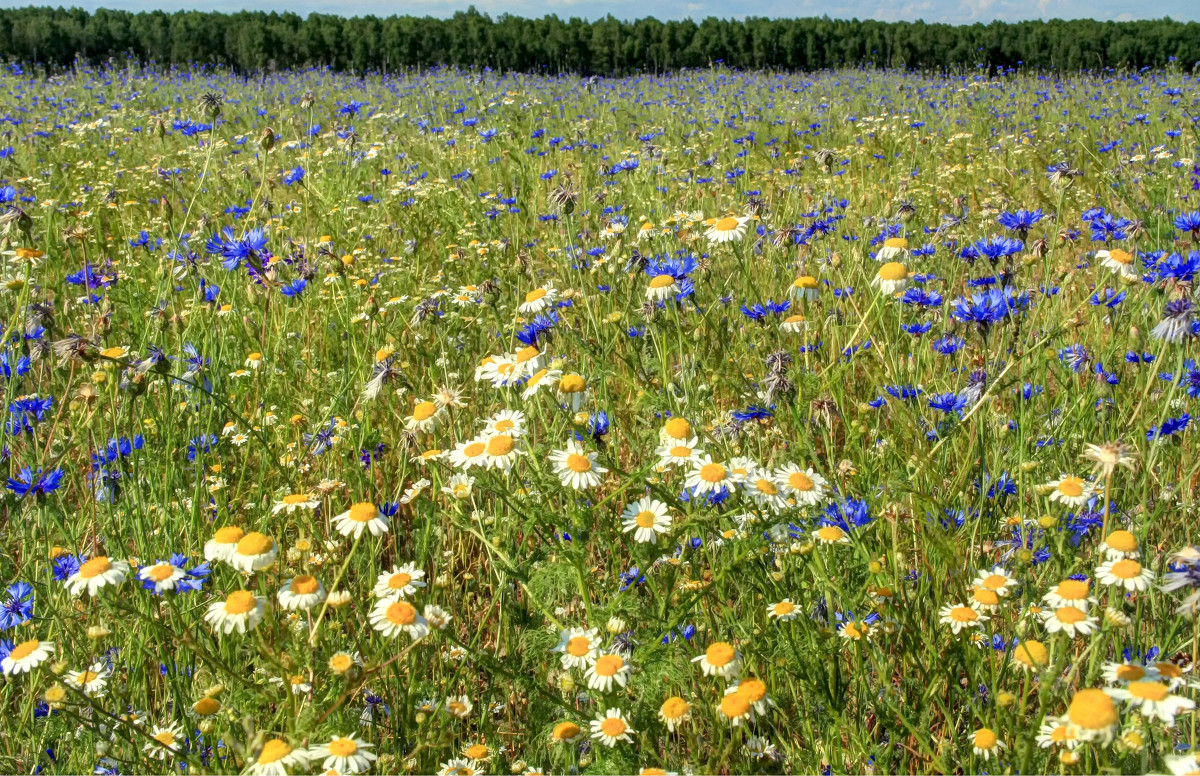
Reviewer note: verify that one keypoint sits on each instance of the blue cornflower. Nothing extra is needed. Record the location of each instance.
(1189, 222)
(293, 176)
(16, 606)
(200, 445)
(1169, 427)
(1075, 357)
(633, 576)
(948, 402)
(851, 513)
(993, 249)
(753, 412)
(948, 345)
(1106, 228)
(40, 482)
(1190, 379)
(982, 310)
(903, 392)
(295, 288)
(64, 566)
(917, 329)
(1021, 221)
(919, 297)
(12, 365)
(1107, 298)
(597, 425)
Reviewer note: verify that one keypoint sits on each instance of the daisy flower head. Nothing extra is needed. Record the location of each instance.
(612, 728)
(892, 249)
(161, 576)
(676, 429)
(1093, 716)
(276, 757)
(960, 617)
(459, 486)
(647, 518)
(1153, 699)
(891, 278)
(425, 416)
(361, 517)
(543, 378)
(253, 552)
(241, 611)
(301, 593)
(91, 681)
(342, 662)
(720, 659)
(1123, 673)
(401, 582)
(985, 600)
(661, 288)
(985, 743)
(674, 712)
(678, 452)
(805, 486)
(794, 324)
(1119, 545)
(96, 574)
(473, 452)
(500, 452)
(1070, 620)
(205, 707)
(1056, 731)
(539, 299)
(1030, 655)
(460, 766)
(1070, 491)
(755, 691)
(709, 477)
(458, 706)
(997, 580)
(727, 229)
(831, 534)
(576, 467)
(573, 391)
(1070, 592)
(26, 656)
(766, 492)
(345, 754)
(528, 360)
(393, 617)
(784, 611)
(606, 669)
(510, 422)
(579, 647)
(736, 709)
(565, 731)
(805, 288)
(1119, 261)
(1127, 574)
(164, 742)
(289, 504)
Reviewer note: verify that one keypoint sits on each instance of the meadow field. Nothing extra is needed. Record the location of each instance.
(716, 422)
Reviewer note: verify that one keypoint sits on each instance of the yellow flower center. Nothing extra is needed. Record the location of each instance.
(1151, 691)
(1032, 653)
(830, 533)
(801, 481)
(578, 646)
(305, 584)
(1120, 256)
(766, 486)
(500, 445)
(525, 354)
(230, 534)
(87, 677)
(735, 705)
(1128, 673)
(661, 281)
(477, 751)
(1127, 569)
(240, 602)
(161, 572)
(24, 649)
(1070, 615)
(986, 597)
(645, 519)
(255, 543)
(424, 411)
(342, 747)
(675, 707)
(399, 580)
(572, 384)
(613, 726)
(1071, 487)
(166, 738)
(985, 738)
(963, 614)
(895, 242)
(341, 663)
(294, 498)
(608, 665)
(474, 450)
(794, 319)
(753, 690)
(95, 567)
(402, 613)
(1121, 541)
(893, 270)
(726, 224)
(994, 581)
(1072, 590)
(712, 472)
(579, 463)
(784, 607)
(719, 655)
(678, 428)
(1169, 670)
(1092, 709)
(805, 281)
(535, 295)
(273, 751)
(206, 707)
(565, 731)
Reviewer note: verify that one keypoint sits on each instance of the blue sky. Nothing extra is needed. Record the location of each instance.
(952, 11)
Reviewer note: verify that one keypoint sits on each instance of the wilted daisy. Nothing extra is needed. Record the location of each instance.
(720, 659)
(1120, 544)
(891, 277)
(784, 611)
(301, 593)
(1108, 457)
(289, 504)
(163, 576)
(539, 299)
(960, 617)
(97, 573)
(26, 656)
(1121, 262)
(892, 248)
(91, 681)
(223, 543)
(579, 646)
(164, 742)
(794, 323)
(1127, 574)
(437, 617)
(1070, 620)
(647, 518)
(241, 611)
(804, 485)
(727, 229)
(1070, 491)
(1093, 716)
(985, 743)
(605, 670)
(391, 618)
(674, 712)
(1153, 699)
(359, 518)
(612, 728)
(253, 552)
(345, 754)
(573, 391)
(576, 467)
(276, 757)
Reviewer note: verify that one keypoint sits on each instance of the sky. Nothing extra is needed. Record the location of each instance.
(949, 11)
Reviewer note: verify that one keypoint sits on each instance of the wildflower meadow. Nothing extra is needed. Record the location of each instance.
(462, 422)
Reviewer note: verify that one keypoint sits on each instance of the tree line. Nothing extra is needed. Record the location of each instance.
(256, 41)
